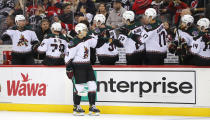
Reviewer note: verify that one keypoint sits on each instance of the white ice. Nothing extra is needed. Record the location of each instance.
(5, 115)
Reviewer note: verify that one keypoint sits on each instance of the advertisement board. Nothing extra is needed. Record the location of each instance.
(32, 85)
(147, 86)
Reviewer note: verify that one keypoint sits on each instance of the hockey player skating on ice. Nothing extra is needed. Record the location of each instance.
(54, 46)
(154, 36)
(107, 54)
(78, 64)
(133, 48)
(201, 44)
(24, 41)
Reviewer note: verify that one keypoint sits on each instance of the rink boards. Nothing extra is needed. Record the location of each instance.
(138, 90)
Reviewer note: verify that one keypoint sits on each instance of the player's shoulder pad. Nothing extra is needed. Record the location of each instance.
(194, 32)
(109, 27)
(28, 27)
(74, 42)
(25, 28)
(13, 28)
(50, 36)
(90, 32)
(151, 27)
(134, 25)
(62, 37)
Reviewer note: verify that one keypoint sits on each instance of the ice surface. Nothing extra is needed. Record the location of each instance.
(5, 115)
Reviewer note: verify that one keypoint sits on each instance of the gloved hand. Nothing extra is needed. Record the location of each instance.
(35, 47)
(172, 48)
(70, 73)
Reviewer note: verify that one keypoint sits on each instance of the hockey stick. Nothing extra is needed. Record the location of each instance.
(69, 73)
(179, 38)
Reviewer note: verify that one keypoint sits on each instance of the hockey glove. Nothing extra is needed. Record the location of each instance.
(136, 38)
(206, 38)
(5, 37)
(69, 70)
(35, 45)
(70, 73)
(172, 48)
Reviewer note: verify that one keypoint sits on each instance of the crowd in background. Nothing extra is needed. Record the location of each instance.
(40, 14)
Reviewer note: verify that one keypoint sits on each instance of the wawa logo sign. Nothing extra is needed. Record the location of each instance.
(25, 87)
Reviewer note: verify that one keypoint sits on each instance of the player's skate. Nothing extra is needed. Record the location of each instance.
(78, 111)
(94, 111)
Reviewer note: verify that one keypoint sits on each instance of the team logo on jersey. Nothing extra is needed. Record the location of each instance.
(195, 33)
(22, 41)
(148, 27)
(86, 52)
(71, 43)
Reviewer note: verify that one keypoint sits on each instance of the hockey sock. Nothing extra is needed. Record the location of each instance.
(92, 98)
(77, 99)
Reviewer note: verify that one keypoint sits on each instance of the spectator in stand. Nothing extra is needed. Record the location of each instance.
(53, 8)
(66, 17)
(208, 10)
(46, 4)
(115, 16)
(140, 6)
(126, 4)
(76, 17)
(175, 7)
(55, 18)
(104, 1)
(197, 8)
(73, 3)
(83, 10)
(159, 5)
(31, 5)
(102, 10)
(5, 7)
(90, 6)
(35, 19)
(10, 22)
(43, 30)
(18, 9)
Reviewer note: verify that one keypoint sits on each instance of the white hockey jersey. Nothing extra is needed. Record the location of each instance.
(192, 37)
(79, 50)
(203, 48)
(108, 49)
(53, 46)
(130, 45)
(154, 36)
(21, 40)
